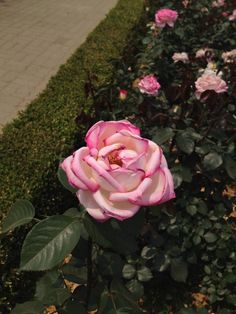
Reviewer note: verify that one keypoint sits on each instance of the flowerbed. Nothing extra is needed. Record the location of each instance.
(175, 256)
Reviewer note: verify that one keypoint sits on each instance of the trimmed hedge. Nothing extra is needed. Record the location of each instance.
(32, 145)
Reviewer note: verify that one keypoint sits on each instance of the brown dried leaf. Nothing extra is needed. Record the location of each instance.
(199, 300)
(230, 191)
(71, 285)
(50, 310)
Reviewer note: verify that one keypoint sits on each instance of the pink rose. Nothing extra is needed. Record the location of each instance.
(229, 56)
(180, 56)
(123, 94)
(149, 85)
(201, 53)
(118, 171)
(218, 3)
(166, 16)
(232, 17)
(210, 81)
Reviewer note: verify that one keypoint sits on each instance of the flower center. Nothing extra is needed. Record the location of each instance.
(113, 158)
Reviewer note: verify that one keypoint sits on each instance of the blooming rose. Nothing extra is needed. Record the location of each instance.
(218, 3)
(232, 17)
(210, 81)
(149, 85)
(201, 53)
(180, 56)
(123, 94)
(229, 56)
(166, 16)
(118, 171)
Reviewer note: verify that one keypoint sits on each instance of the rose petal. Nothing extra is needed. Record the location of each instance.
(102, 129)
(118, 210)
(72, 179)
(87, 200)
(82, 170)
(153, 159)
(104, 175)
(127, 178)
(131, 141)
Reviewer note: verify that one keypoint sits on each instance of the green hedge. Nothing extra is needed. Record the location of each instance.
(32, 145)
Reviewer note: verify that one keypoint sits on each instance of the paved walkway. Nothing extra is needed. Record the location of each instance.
(36, 37)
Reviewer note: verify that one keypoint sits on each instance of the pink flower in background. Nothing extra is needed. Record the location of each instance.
(210, 81)
(165, 17)
(218, 3)
(123, 94)
(232, 17)
(185, 3)
(118, 171)
(180, 56)
(201, 53)
(149, 85)
(229, 56)
(225, 14)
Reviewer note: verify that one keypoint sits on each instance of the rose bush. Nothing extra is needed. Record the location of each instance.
(118, 171)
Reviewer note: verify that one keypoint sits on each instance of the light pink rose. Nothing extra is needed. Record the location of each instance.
(123, 94)
(180, 56)
(229, 56)
(232, 17)
(201, 53)
(118, 171)
(210, 81)
(149, 85)
(218, 3)
(165, 17)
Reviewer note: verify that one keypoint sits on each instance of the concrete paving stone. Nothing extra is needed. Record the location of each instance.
(36, 37)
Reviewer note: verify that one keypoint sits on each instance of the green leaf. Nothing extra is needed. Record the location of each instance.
(191, 209)
(110, 264)
(210, 237)
(212, 161)
(148, 252)
(161, 261)
(73, 307)
(230, 166)
(207, 270)
(118, 297)
(64, 181)
(136, 288)
(121, 236)
(57, 296)
(31, 307)
(77, 274)
(179, 270)
(45, 284)
(128, 271)
(185, 142)
(21, 213)
(49, 242)
(177, 177)
(144, 274)
(72, 212)
(163, 135)
(122, 310)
